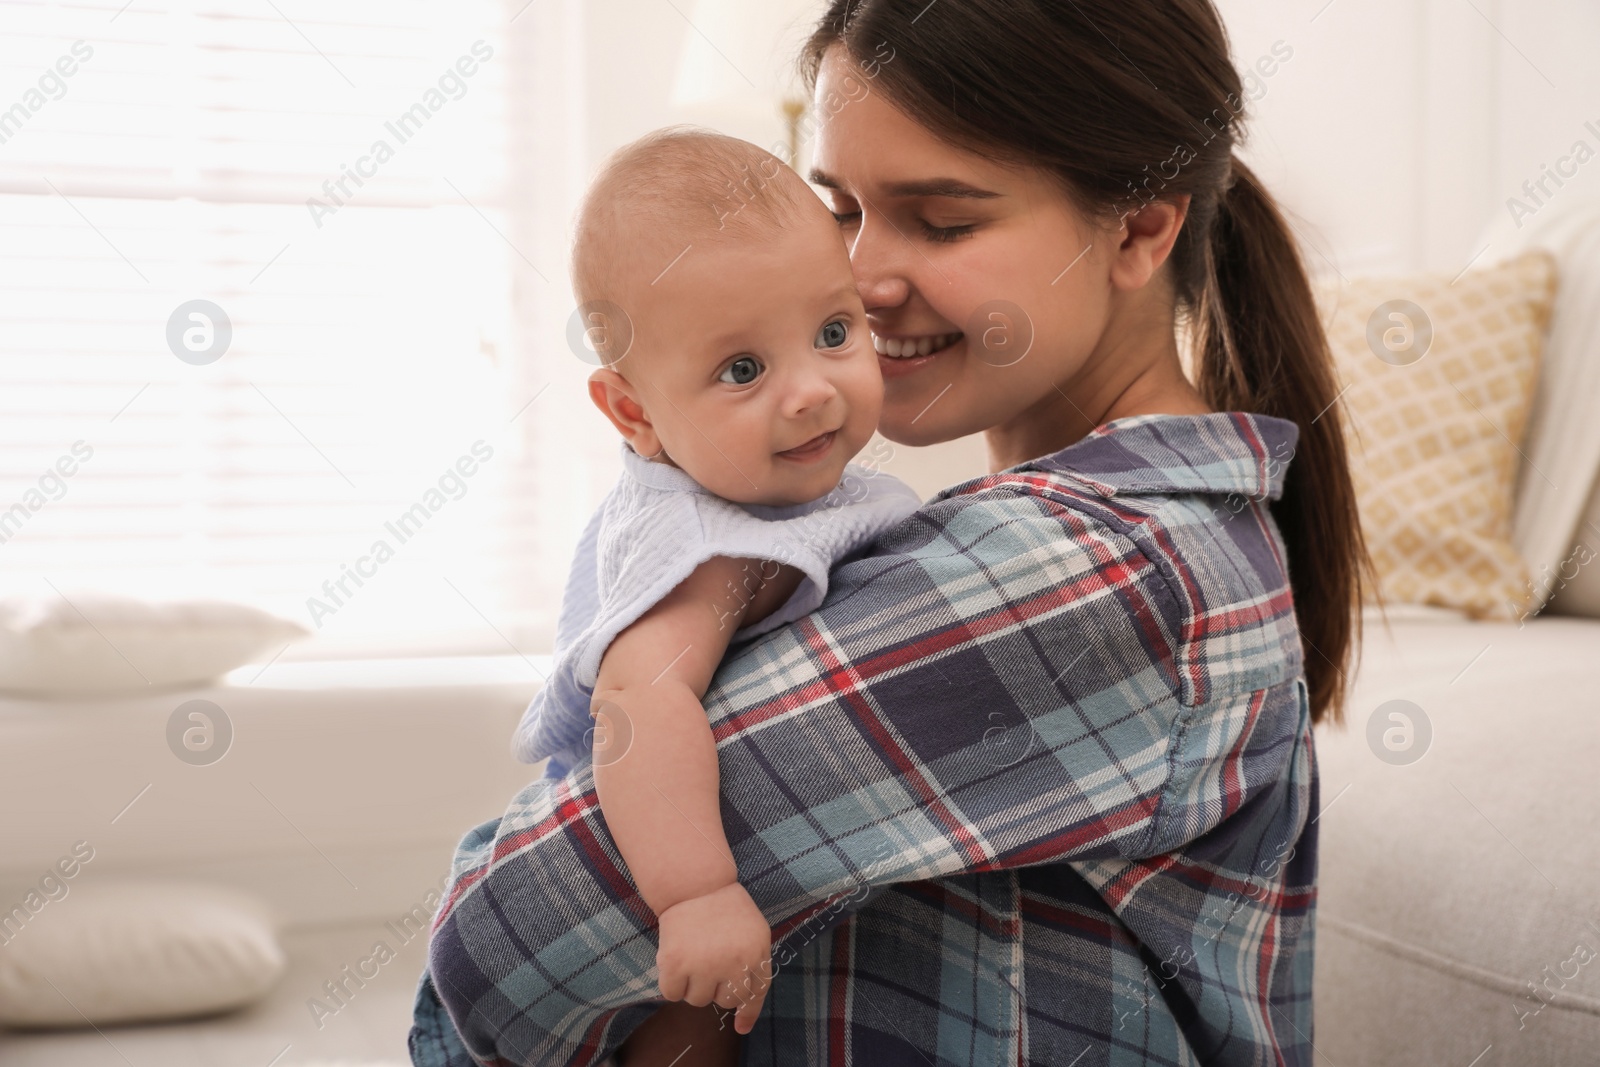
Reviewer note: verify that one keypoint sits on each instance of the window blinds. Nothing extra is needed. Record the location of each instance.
(371, 452)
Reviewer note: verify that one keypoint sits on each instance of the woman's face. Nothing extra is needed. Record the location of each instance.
(946, 242)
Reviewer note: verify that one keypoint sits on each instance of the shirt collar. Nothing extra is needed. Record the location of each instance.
(1223, 453)
(657, 475)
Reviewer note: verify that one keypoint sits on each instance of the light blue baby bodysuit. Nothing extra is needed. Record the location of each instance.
(652, 529)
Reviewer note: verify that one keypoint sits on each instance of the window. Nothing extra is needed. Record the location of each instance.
(376, 433)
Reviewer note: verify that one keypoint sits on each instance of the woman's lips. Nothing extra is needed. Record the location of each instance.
(910, 346)
(934, 345)
(815, 448)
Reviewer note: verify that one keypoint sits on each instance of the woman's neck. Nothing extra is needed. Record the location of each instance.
(1134, 371)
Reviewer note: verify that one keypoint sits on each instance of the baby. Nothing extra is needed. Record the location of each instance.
(737, 366)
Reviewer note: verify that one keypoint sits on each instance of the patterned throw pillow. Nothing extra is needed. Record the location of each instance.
(1439, 378)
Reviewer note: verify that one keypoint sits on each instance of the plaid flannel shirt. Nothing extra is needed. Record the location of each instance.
(1033, 786)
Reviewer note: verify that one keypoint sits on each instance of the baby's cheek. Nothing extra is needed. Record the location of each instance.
(869, 408)
(719, 435)
(864, 387)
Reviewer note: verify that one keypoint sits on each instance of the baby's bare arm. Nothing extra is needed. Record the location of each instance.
(657, 776)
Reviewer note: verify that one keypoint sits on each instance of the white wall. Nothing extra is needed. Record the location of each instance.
(1400, 127)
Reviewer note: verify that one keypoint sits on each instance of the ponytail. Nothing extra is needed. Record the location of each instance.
(1259, 346)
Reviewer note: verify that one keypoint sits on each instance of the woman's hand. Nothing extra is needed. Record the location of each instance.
(717, 948)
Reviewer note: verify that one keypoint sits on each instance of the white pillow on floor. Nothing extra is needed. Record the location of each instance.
(135, 950)
(100, 643)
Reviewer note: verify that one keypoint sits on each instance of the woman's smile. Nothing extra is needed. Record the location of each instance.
(904, 346)
(906, 354)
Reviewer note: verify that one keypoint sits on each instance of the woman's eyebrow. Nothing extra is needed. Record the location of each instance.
(950, 187)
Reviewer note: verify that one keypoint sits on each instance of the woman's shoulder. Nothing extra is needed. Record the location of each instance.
(1174, 507)
(1222, 453)
(1141, 470)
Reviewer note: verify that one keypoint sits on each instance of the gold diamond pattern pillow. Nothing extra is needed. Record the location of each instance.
(1439, 378)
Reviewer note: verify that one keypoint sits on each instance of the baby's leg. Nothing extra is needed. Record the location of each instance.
(662, 1039)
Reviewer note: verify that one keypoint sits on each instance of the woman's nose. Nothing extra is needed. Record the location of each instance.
(877, 258)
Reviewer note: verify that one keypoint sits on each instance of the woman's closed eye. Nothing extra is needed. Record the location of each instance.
(741, 371)
(945, 233)
(940, 234)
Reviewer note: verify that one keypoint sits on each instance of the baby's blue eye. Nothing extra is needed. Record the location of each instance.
(744, 371)
(832, 335)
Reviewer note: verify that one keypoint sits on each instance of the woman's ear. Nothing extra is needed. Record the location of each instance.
(1147, 239)
(618, 401)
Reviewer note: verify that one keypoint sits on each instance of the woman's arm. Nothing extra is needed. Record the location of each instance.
(1010, 680)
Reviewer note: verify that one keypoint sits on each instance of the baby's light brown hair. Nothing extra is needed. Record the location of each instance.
(672, 188)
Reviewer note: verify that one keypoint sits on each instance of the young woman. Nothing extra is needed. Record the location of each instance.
(1035, 785)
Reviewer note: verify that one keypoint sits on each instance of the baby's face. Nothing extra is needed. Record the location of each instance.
(753, 362)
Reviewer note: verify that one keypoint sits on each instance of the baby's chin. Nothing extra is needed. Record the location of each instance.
(785, 486)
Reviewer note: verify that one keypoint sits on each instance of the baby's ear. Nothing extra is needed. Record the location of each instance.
(618, 401)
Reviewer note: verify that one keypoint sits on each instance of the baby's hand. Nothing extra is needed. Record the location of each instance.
(717, 948)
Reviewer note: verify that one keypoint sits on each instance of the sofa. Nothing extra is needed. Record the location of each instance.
(1459, 908)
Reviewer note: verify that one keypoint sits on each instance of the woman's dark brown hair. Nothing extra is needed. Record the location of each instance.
(1125, 101)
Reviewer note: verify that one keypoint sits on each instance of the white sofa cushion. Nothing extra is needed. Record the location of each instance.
(1453, 885)
(1575, 584)
(98, 643)
(1561, 457)
(131, 950)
